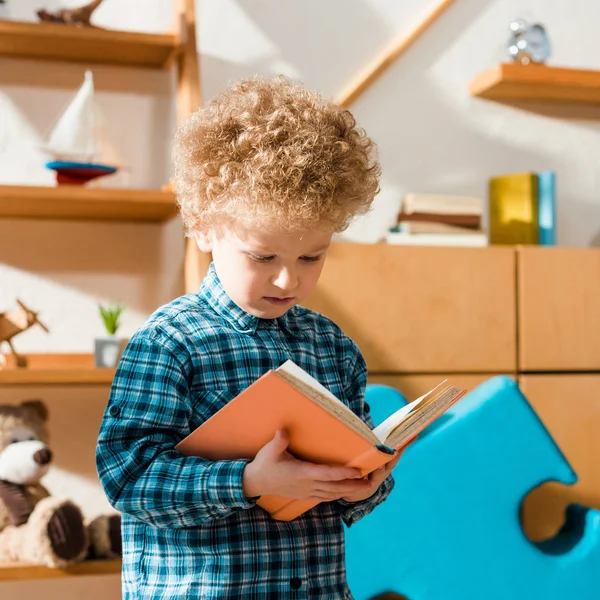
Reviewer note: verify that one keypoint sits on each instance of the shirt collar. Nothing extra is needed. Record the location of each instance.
(214, 294)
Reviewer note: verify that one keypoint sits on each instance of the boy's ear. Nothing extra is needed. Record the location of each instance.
(204, 239)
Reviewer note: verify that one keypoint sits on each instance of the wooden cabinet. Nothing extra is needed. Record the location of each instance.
(559, 360)
(422, 310)
(559, 309)
(569, 406)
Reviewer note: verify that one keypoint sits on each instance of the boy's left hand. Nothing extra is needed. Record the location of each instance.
(376, 478)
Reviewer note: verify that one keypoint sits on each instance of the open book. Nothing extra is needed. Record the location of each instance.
(321, 428)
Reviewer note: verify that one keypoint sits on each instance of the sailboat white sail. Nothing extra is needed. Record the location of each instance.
(78, 141)
(73, 136)
(79, 133)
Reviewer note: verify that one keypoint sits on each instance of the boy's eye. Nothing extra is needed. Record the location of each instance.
(310, 259)
(257, 258)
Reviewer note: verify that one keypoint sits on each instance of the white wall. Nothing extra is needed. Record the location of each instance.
(432, 137)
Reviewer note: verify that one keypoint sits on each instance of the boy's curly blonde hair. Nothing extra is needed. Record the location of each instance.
(269, 152)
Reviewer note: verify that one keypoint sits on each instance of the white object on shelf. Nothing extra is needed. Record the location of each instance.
(471, 240)
(441, 204)
(80, 133)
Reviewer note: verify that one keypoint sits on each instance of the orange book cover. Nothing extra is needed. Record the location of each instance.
(323, 432)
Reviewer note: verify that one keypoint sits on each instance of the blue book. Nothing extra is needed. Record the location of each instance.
(547, 208)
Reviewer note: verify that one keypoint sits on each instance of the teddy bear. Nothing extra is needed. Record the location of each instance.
(34, 526)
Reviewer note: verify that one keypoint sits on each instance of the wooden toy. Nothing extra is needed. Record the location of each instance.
(71, 16)
(14, 322)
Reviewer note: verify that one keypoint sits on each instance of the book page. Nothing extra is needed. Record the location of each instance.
(289, 366)
(418, 420)
(383, 430)
(319, 394)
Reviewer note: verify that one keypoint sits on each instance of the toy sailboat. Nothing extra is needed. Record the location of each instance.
(78, 142)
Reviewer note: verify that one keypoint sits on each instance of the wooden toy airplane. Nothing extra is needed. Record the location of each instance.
(14, 322)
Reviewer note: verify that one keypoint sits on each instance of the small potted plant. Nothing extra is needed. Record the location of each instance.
(108, 350)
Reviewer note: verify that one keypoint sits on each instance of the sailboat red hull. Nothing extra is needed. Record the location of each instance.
(71, 173)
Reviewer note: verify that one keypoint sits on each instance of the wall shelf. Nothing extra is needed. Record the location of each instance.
(88, 204)
(22, 571)
(540, 83)
(94, 45)
(57, 369)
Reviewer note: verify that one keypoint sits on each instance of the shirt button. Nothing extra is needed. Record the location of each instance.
(114, 411)
(296, 583)
(367, 408)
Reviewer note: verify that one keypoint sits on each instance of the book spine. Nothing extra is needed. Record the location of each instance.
(547, 208)
(513, 209)
(367, 462)
(470, 221)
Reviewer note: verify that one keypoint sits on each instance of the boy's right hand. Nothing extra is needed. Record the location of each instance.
(275, 472)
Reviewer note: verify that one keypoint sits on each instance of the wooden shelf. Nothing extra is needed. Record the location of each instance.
(22, 571)
(83, 203)
(57, 369)
(91, 376)
(48, 41)
(514, 82)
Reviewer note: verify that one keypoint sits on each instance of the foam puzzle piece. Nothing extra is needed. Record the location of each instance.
(451, 530)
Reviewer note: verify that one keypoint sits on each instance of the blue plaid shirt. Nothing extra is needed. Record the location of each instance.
(188, 530)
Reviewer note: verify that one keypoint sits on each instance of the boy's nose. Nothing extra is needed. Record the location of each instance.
(286, 279)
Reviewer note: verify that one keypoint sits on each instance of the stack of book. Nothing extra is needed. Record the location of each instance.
(523, 208)
(439, 220)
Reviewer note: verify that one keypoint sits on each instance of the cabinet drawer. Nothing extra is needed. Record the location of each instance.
(423, 309)
(569, 406)
(559, 309)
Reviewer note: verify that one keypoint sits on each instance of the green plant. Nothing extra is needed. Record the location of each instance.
(110, 317)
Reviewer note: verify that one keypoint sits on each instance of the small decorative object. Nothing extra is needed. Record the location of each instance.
(528, 43)
(78, 141)
(36, 527)
(71, 16)
(108, 350)
(14, 322)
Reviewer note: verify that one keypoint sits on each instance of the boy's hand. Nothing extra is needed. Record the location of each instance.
(275, 472)
(376, 478)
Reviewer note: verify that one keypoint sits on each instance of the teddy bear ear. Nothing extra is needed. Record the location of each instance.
(38, 407)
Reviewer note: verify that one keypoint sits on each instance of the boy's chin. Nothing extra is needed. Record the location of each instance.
(269, 311)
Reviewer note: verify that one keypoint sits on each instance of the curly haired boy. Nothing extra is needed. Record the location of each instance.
(265, 174)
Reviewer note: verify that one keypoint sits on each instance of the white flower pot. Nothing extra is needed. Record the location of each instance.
(108, 351)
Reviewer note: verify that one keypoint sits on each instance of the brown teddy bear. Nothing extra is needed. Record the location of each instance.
(35, 527)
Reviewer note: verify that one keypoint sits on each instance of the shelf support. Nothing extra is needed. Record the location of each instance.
(189, 99)
(380, 64)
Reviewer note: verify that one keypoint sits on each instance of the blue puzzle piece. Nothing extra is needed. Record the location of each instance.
(451, 530)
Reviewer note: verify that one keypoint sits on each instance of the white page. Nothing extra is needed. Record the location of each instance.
(385, 428)
(289, 366)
